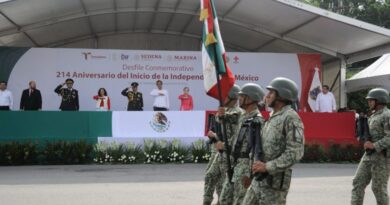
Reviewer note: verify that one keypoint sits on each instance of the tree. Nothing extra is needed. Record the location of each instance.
(372, 11)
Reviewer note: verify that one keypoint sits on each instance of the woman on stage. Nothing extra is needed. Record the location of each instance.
(186, 100)
(102, 100)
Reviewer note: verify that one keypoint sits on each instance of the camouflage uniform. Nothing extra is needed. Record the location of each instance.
(234, 192)
(216, 171)
(283, 146)
(374, 166)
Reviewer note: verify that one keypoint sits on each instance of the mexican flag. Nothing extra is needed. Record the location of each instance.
(315, 89)
(215, 67)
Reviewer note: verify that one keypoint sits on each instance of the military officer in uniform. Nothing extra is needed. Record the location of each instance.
(374, 165)
(70, 96)
(282, 145)
(136, 102)
(216, 172)
(233, 191)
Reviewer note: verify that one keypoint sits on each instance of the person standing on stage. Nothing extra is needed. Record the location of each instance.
(69, 95)
(31, 98)
(161, 98)
(136, 102)
(102, 100)
(325, 101)
(6, 99)
(186, 100)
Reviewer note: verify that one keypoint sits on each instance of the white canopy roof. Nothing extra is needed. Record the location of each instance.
(247, 25)
(375, 75)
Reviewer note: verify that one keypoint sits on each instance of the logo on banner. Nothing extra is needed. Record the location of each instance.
(147, 57)
(124, 57)
(314, 92)
(160, 122)
(185, 58)
(235, 59)
(89, 55)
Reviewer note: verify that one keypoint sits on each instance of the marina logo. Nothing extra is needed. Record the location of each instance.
(185, 58)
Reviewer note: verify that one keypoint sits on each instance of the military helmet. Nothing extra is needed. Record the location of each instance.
(379, 94)
(253, 91)
(233, 93)
(285, 87)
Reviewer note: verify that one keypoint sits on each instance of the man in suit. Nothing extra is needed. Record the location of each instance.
(31, 98)
(136, 102)
(70, 96)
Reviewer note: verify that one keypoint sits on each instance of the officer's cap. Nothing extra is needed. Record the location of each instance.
(69, 80)
(134, 84)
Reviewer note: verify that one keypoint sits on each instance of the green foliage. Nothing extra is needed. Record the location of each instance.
(118, 153)
(153, 151)
(334, 153)
(66, 152)
(357, 100)
(200, 152)
(15, 153)
(177, 152)
(60, 152)
(372, 11)
(156, 151)
(314, 153)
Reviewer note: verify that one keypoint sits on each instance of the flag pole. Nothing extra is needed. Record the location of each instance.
(224, 137)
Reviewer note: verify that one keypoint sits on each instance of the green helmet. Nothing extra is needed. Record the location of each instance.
(379, 94)
(253, 91)
(233, 93)
(285, 87)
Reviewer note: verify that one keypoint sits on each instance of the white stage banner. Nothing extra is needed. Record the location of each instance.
(115, 70)
(149, 124)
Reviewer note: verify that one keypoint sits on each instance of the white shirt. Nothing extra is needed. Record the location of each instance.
(160, 100)
(6, 98)
(325, 102)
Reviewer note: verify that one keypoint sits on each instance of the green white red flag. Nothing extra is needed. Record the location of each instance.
(214, 60)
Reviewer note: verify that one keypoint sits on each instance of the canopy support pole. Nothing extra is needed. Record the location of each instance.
(343, 71)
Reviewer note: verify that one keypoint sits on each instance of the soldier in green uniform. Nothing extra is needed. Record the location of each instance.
(374, 165)
(70, 96)
(216, 171)
(233, 191)
(282, 145)
(136, 102)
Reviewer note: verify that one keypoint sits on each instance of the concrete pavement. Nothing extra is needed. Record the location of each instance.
(168, 184)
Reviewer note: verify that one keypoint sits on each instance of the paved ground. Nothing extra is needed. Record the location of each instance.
(319, 184)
